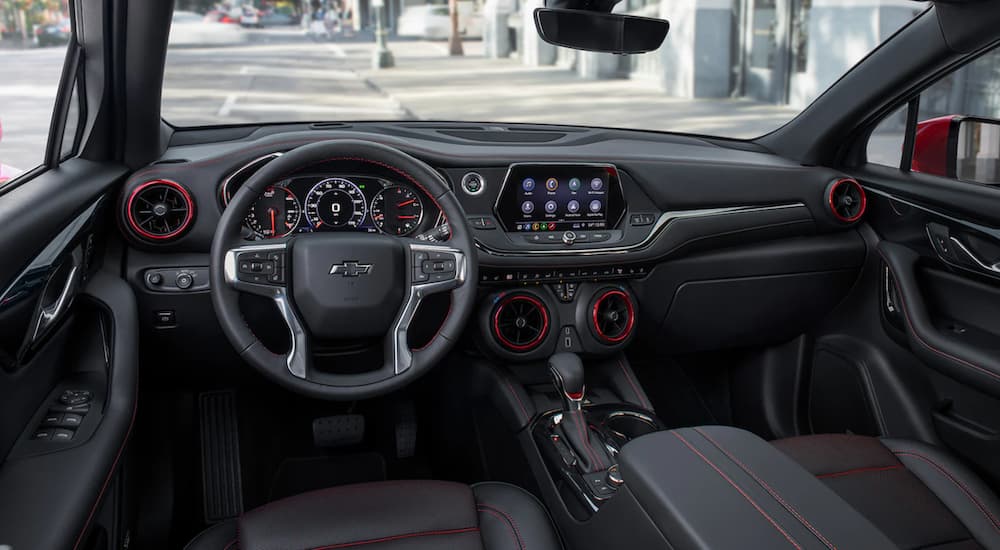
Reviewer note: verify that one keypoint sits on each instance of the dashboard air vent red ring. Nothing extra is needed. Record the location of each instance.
(847, 200)
(606, 313)
(170, 210)
(520, 322)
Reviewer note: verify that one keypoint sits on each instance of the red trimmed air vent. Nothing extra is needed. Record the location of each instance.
(520, 322)
(159, 210)
(847, 200)
(612, 316)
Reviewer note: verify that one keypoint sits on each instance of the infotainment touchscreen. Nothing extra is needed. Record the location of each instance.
(560, 197)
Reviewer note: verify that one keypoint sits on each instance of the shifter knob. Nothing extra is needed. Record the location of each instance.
(567, 376)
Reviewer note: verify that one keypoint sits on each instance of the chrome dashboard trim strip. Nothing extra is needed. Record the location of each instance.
(661, 223)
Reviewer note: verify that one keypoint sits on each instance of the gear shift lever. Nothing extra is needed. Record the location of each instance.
(567, 376)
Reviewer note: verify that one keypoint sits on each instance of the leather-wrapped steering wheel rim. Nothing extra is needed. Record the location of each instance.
(292, 370)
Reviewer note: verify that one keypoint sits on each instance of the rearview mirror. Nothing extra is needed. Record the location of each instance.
(600, 32)
(963, 148)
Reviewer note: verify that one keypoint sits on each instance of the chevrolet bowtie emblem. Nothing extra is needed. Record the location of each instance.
(350, 269)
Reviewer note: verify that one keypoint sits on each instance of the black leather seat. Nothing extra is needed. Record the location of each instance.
(414, 515)
(916, 494)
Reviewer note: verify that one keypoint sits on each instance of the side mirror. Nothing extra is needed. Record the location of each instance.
(594, 31)
(963, 148)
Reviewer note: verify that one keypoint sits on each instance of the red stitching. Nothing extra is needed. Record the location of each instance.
(111, 472)
(859, 471)
(770, 491)
(739, 490)
(501, 515)
(642, 399)
(916, 336)
(400, 537)
(581, 426)
(231, 544)
(516, 396)
(968, 493)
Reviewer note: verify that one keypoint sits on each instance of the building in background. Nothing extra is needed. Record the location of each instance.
(776, 51)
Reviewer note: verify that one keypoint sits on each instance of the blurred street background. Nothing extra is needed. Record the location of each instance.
(732, 68)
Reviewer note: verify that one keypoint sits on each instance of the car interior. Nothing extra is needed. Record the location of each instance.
(419, 334)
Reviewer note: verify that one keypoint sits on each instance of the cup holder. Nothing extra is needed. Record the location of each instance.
(626, 425)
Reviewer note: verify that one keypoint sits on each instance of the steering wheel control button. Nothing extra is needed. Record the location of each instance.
(261, 267)
(473, 183)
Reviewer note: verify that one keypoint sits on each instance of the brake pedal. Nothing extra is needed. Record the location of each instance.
(340, 430)
(221, 482)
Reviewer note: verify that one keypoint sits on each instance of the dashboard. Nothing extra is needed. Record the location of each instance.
(585, 231)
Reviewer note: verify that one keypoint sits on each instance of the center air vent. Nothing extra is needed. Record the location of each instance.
(159, 210)
(520, 322)
(847, 200)
(612, 316)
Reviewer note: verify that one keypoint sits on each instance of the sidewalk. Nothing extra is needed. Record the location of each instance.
(431, 85)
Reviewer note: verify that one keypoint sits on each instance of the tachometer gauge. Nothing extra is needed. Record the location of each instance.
(335, 203)
(275, 213)
(397, 210)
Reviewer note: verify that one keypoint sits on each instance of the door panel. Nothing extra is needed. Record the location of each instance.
(68, 323)
(939, 300)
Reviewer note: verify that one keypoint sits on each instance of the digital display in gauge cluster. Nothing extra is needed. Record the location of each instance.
(340, 203)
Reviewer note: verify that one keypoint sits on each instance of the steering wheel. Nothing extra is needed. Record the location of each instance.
(344, 285)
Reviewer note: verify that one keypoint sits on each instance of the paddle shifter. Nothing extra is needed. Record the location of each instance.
(567, 376)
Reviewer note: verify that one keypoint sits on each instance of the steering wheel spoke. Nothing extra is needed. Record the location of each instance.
(432, 269)
(262, 270)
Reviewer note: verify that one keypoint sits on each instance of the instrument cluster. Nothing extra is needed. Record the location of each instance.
(304, 204)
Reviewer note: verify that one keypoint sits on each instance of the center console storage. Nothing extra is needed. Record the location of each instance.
(719, 487)
(614, 476)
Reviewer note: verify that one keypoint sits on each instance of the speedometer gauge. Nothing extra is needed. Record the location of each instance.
(397, 210)
(335, 203)
(275, 213)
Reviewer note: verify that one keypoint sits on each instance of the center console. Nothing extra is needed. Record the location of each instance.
(614, 476)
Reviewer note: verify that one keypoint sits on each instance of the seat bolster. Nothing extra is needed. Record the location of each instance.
(512, 519)
(410, 514)
(972, 502)
(221, 536)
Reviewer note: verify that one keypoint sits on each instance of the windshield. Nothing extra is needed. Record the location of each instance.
(730, 68)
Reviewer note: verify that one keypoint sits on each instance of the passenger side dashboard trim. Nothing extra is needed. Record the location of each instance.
(661, 223)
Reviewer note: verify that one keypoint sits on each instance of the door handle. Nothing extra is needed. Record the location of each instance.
(963, 251)
(50, 313)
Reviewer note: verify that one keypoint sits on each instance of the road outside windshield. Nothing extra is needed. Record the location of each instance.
(731, 68)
